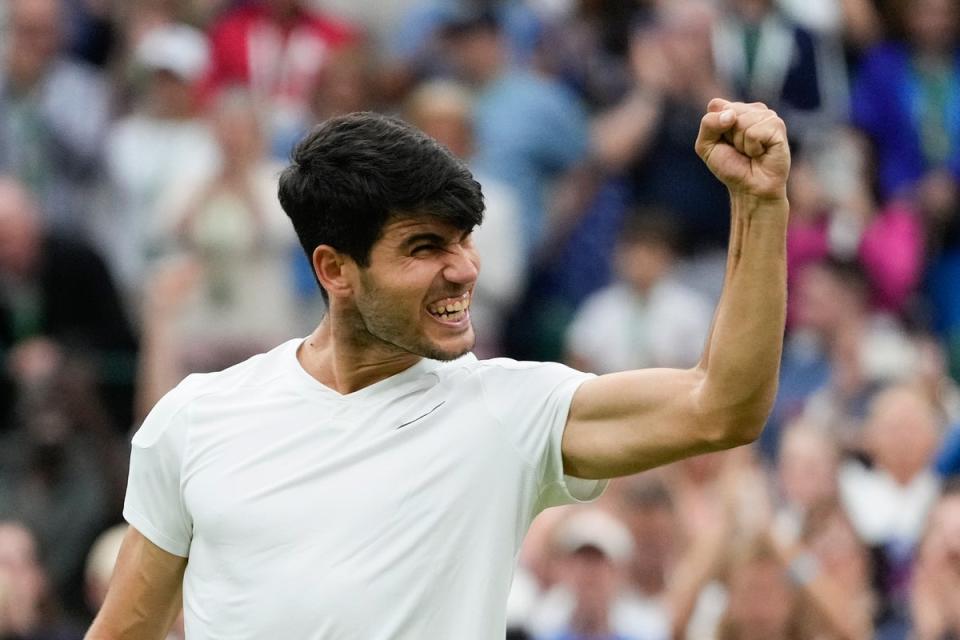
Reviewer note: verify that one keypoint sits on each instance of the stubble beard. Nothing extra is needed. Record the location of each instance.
(382, 324)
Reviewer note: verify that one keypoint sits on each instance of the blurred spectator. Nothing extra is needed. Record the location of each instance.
(590, 601)
(859, 21)
(904, 103)
(646, 507)
(586, 45)
(162, 140)
(61, 467)
(57, 298)
(228, 221)
(807, 468)
(767, 57)
(49, 143)
(415, 46)
(907, 103)
(349, 82)
(890, 501)
(762, 603)
(444, 111)
(647, 318)
(935, 601)
(646, 137)
(888, 244)
(836, 355)
(26, 612)
(740, 579)
(844, 603)
(530, 131)
(275, 48)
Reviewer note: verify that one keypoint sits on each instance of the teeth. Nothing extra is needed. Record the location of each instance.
(454, 307)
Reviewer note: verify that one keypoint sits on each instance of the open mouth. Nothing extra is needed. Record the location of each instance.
(451, 310)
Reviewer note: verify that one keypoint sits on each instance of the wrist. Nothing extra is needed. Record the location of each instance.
(748, 205)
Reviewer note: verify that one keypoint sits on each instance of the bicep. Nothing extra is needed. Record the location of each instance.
(145, 592)
(622, 423)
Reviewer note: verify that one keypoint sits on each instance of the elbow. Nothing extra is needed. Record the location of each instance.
(736, 425)
(734, 412)
(739, 431)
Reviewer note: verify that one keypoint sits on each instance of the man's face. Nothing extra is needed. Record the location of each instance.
(415, 293)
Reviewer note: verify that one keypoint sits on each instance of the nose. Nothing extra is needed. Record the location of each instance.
(463, 265)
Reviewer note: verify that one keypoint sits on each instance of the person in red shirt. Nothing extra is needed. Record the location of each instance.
(276, 48)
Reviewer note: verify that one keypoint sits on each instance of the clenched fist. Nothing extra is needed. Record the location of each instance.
(745, 146)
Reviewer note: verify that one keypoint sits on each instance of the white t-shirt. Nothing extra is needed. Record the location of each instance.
(396, 511)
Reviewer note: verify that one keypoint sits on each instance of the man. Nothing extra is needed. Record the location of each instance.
(375, 480)
(57, 299)
(45, 140)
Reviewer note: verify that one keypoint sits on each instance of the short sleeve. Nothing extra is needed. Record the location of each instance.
(532, 402)
(154, 502)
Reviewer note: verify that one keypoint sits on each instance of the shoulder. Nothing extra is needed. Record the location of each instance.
(504, 377)
(257, 372)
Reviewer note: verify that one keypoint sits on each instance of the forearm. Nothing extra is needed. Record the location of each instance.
(145, 593)
(742, 356)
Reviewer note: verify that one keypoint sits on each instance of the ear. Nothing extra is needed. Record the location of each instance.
(332, 269)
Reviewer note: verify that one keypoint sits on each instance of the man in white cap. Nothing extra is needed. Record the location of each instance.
(591, 600)
(163, 139)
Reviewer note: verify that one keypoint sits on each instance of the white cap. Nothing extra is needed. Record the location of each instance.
(177, 48)
(598, 529)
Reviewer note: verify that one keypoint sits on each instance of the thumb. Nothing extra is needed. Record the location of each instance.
(713, 126)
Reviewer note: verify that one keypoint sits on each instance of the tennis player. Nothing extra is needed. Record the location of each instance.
(374, 481)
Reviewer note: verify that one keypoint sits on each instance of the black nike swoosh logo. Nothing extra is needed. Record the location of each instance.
(423, 416)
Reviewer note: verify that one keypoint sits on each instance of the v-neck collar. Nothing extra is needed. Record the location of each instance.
(313, 387)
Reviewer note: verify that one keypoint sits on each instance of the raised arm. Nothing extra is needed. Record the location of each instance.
(145, 593)
(626, 422)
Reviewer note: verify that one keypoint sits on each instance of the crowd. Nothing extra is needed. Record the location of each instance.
(141, 239)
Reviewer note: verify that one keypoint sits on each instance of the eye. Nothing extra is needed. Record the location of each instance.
(422, 249)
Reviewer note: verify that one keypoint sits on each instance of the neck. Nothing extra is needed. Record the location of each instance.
(340, 359)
